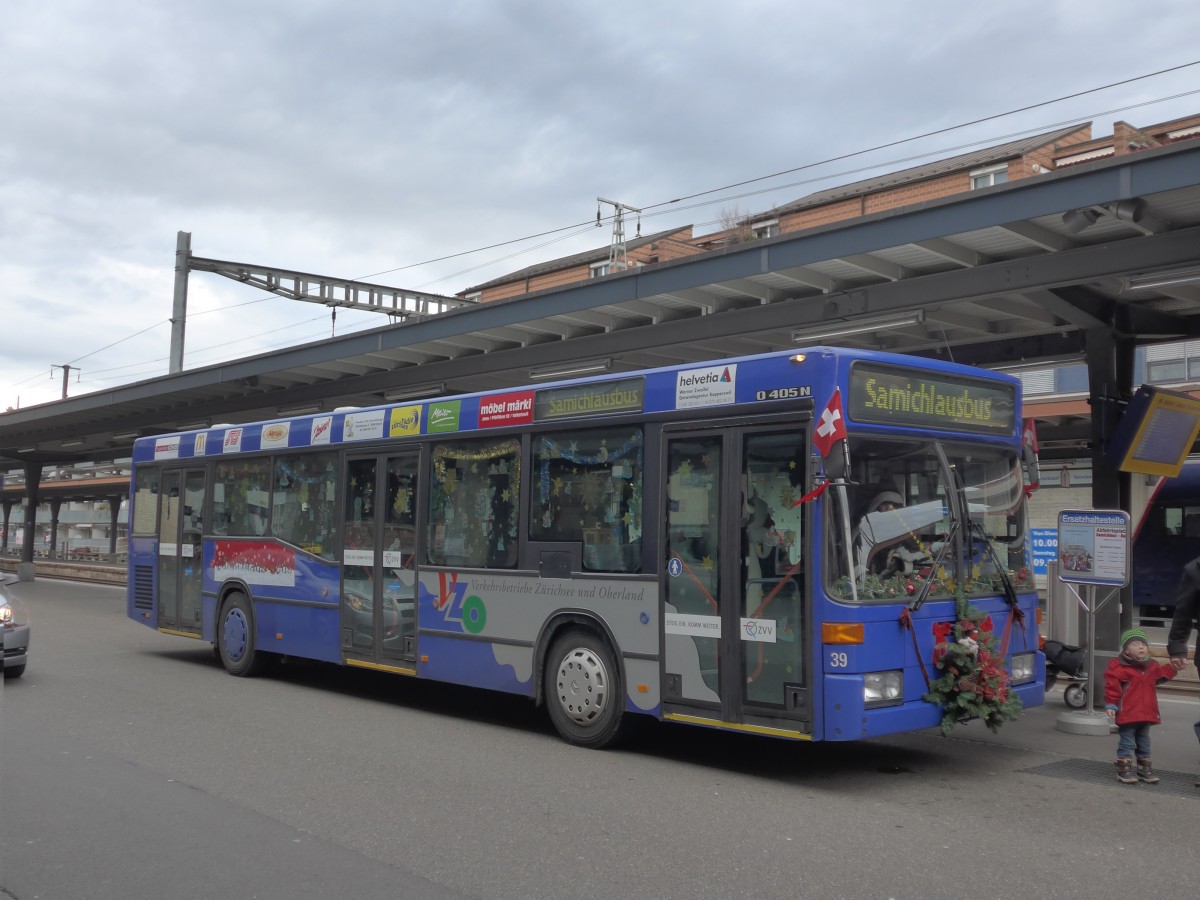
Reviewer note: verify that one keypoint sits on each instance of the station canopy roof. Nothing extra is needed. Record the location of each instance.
(1011, 274)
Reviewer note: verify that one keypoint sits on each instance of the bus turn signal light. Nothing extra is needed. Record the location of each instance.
(842, 632)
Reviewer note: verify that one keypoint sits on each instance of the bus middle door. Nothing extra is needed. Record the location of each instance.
(378, 557)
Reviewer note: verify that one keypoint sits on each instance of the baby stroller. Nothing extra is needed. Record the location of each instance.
(1069, 661)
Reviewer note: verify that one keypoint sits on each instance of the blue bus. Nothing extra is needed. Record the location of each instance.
(1167, 537)
(725, 544)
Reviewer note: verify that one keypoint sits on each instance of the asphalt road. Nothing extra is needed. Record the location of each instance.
(132, 766)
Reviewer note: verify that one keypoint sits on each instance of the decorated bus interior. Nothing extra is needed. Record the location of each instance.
(894, 528)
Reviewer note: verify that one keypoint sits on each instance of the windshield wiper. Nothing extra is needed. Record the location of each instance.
(1010, 589)
(927, 585)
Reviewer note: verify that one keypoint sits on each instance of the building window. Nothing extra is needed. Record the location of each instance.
(1072, 379)
(600, 268)
(767, 228)
(992, 175)
(1165, 371)
(1037, 382)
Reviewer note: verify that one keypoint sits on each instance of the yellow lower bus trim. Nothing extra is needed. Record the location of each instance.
(190, 634)
(395, 670)
(733, 726)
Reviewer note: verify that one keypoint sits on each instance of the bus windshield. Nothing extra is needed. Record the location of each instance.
(892, 526)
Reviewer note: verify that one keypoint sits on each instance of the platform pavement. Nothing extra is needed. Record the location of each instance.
(1175, 745)
(100, 572)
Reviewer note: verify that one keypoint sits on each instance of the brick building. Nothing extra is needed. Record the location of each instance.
(1027, 157)
(641, 251)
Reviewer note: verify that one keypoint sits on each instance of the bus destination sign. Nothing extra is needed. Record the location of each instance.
(626, 395)
(891, 395)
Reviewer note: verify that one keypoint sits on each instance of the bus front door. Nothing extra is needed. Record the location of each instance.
(180, 558)
(736, 615)
(378, 577)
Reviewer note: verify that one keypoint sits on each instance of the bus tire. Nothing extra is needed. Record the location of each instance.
(14, 671)
(583, 690)
(235, 638)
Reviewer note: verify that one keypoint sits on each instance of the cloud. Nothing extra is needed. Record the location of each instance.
(353, 138)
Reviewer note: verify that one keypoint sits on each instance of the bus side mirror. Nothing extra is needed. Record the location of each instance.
(1029, 462)
(1029, 449)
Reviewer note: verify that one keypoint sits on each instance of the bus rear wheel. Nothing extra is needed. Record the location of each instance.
(235, 638)
(583, 690)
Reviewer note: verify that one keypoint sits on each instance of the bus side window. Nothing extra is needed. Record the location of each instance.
(240, 497)
(1191, 524)
(474, 500)
(588, 488)
(145, 506)
(302, 502)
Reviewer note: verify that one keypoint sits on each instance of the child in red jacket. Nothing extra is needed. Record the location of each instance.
(1129, 693)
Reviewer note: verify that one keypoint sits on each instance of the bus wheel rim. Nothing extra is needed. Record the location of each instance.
(235, 633)
(583, 686)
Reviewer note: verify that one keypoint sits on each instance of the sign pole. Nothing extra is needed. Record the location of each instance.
(1093, 550)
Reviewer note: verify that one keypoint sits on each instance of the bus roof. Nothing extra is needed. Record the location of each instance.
(783, 375)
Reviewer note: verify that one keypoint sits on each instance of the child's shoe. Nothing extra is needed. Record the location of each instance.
(1125, 771)
(1145, 773)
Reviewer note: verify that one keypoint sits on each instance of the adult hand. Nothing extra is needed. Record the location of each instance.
(1178, 662)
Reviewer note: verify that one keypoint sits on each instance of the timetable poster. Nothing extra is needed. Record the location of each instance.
(1093, 546)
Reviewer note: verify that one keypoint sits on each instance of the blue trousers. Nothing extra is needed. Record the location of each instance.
(1131, 737)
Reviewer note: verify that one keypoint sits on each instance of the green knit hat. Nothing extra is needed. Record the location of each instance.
(1134, 634)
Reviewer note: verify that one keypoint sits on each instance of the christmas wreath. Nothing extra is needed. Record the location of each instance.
(973, 683)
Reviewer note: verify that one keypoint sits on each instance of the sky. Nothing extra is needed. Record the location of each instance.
(436, 146)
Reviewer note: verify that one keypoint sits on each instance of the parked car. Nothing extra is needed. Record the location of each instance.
(16, 636)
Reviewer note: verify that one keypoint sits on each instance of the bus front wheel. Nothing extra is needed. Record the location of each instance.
(235, 638)
(583, 690)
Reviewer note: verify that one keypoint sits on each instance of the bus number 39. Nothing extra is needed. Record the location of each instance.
(839, 660)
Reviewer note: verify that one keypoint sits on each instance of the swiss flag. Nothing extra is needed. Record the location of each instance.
(832, 426)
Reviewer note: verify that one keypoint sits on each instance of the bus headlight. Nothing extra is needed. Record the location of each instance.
(883, 688)
(1022, 667)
